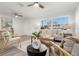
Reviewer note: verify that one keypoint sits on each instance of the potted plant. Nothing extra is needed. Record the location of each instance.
(36, 42)
(36, 35)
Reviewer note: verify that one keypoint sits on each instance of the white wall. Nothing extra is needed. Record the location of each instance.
(77, 21)
(72, 22)
(18, 26)
(0, 23)
(31, 26)
(26, 26)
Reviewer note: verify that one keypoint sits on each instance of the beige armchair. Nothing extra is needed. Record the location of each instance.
(6, 41)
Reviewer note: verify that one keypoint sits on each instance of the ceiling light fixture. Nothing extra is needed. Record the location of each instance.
(16, 16)
(36, 5)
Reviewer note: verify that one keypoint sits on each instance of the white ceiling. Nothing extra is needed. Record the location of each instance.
(51, 9)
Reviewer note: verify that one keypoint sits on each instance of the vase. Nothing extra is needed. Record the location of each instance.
(36, 44)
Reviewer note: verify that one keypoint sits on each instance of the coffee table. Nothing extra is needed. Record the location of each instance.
(33, 52)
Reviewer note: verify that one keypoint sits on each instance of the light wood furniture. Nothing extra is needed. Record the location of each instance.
(6, 42)
(10, 43)
(61, 51)
(75, 39)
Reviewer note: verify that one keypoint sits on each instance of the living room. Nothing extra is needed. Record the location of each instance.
(52, 25)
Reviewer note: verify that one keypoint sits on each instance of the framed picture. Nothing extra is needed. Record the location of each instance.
(6, 22)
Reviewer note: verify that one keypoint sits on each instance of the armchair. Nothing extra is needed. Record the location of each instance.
(7, 41)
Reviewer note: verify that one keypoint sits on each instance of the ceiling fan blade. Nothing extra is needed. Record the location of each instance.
(30, 5)
(16, 14)
(41, 6)
(35, 2)
(20, 15)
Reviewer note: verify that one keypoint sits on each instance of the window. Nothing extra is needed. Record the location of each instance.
(61, 20)
(58, 21)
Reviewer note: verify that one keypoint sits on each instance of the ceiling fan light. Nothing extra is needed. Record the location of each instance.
(36, 5)
(16, 16)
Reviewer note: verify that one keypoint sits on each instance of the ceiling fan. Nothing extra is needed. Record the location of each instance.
(36, 4)
(17, 15)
